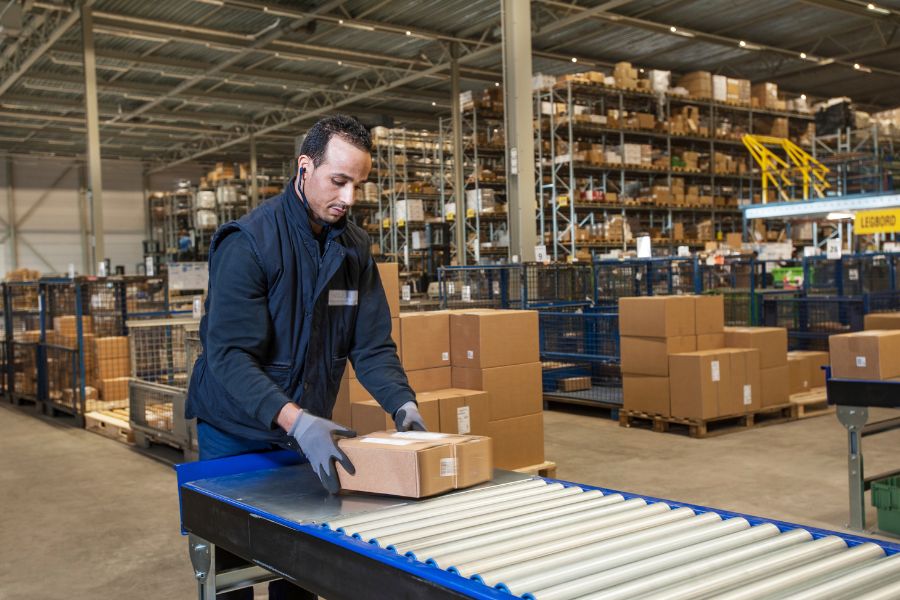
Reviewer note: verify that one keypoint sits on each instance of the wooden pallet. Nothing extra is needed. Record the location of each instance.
(813, 403)
(545, 469)
(704, 428)
(110, 424)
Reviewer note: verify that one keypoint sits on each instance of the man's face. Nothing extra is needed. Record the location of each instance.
(329, 187)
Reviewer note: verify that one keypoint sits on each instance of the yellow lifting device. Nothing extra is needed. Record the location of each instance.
(782, 173)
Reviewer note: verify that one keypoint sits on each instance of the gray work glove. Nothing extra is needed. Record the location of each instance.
(315, 436)
(407, 418)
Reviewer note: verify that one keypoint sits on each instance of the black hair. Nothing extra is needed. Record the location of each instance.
(347, 127)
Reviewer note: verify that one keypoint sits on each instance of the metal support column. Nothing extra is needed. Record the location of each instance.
(11, 237)
(92, 117)
(522, 206)
(83, 220)
(854, 418)
(459, 192)
(254, 184)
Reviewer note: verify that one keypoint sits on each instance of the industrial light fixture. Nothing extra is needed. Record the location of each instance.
(839, 216)
(856, 66)
(803, 55)
(878, 9)
(574, 59)
(803, 96)
(340, 21)
(213, 2)
(673, 29)
(434, 103)
(496, 84)
(408, 32)
(742, 44)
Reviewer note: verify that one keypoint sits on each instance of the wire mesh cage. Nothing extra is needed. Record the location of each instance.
(580, 355)
(158, 352)
(811, 320)
(614, 279)
(193, 348)
(489, 286)
(22, 326)
(886, 301)
(23, 371)
(145, 297)
(156, 415)
(555, 285)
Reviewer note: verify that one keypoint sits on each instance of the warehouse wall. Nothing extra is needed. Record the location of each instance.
(52, 227)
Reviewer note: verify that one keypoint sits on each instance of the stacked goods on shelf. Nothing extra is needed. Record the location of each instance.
(889, 320)
(112, 370)
(871, 354)
(22, 274)
(679, 360)
(805, 370)
(474, 372)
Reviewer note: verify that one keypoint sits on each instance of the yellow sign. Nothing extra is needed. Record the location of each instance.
(877, 221)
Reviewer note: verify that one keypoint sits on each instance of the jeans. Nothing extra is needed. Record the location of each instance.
(215, 443)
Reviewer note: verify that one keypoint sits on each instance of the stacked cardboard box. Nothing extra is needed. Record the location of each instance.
(771, 342)
(805, 370)
(872, 354)
(764, 95)
(882, 321)
(496, 351)
(698, 84)
(625, 75)
(112, 368)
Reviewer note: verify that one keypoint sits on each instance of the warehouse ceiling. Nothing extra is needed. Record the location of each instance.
(194, 80)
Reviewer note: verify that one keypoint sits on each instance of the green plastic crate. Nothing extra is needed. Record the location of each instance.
(886, 498)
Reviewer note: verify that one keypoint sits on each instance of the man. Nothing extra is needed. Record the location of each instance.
(293, 292)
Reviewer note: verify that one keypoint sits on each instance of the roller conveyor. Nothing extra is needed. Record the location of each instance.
(518, 536)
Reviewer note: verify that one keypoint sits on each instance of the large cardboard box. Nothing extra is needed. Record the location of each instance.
(493, 338)
(427, 380)
(369, 416)
(646, 393)
(882, 321)
(656, 316)
(356, 392)
(513, 390)
(425, 338)
(390, 280)
(709, 314)
(815, 361)
(798, 374)
(518, 442)
(114, 389)
(873, 355)
(774, 384)
(460, 411)
(770, 341)
(697, 380)
(415, 464)
(68, 325)
(710, 341)
(650, 356)
(112, 357)
(743, 394)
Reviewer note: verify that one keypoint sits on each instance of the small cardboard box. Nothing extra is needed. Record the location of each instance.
(656, 316)
(459, 411)
(115, 389)
(882, 321)
(650, 356)
(513, 391)
(390, 281)
(369, 416)
(697, 380)
(774, 386)
(574, 384)
(428, 380)
(770, 341)
(493, 338)
(112, 357)
(518, 442)
(743, 393)
(798, 374)
(709, 314)
(815, 361)
(425, 338)
(646, 393)
(710, 341)
(415, 464)
(873, 355)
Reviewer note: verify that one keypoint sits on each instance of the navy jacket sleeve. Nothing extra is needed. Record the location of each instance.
(374, 353)
(238, 330)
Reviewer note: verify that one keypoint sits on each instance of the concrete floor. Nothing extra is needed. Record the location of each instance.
(82, 516)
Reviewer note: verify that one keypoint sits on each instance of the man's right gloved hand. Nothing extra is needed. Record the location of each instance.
(315, 436)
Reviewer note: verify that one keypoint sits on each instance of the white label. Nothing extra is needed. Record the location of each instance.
(419, 435)
(149, 268)
(451, 288)
(197, 308)
(684, 251)
(387, 441)
(853, 274)
(343, 297)
(470, 354)
(448, 467)
(71, 270)
(715, 370)
(748, 394)
(833, 249)
(644, 249)
(861, 362)
(406, 293)
(466, 293)
(496, 287)
(101, 268)
(445, 356)
(639, 275)
(463, 421)
(540, 253)
(514, 161)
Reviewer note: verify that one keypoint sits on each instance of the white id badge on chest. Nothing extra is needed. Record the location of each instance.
(343, 297)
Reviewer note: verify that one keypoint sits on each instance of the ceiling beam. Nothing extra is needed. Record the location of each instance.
(859, 10)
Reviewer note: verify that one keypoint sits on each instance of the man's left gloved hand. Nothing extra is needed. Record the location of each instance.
(407, 418)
